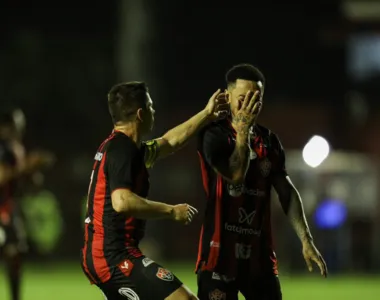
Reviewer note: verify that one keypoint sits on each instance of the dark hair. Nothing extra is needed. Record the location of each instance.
(124, 99)
(245, 72)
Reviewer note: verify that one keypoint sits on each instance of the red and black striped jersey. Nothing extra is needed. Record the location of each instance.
(111, 237)
(7, 191)
(236, 229)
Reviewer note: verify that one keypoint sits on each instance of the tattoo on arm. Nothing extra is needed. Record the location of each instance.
(294, 210)
(239, 159)
(242, 123)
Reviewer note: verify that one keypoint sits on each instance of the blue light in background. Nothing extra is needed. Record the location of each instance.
(330, 214)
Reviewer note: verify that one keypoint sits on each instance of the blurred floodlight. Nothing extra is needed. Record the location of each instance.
(315, 151)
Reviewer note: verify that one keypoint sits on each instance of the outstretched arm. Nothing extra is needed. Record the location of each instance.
(177, 137)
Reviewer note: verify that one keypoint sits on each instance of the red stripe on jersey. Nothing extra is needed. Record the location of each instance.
(205, 178)
(100, 263)
(200, 247)
(84, 252)
(216, 238)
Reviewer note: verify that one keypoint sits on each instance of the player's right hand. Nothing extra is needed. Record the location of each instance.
(248, 111)
(183, 213)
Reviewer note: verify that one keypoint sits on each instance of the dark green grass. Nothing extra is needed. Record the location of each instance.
(66, 281)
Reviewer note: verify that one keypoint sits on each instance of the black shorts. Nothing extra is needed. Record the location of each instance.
(213, 286)
(140, 279)
(12, 234)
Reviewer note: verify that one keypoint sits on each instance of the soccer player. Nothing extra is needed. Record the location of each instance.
(117, 204)
(241, 161)
(14, 165)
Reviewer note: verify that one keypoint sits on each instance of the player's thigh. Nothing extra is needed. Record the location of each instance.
(182, 293)
(263, 288)
(211, 286)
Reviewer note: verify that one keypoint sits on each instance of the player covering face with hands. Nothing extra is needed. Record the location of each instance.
(240, 163)
(117, 207)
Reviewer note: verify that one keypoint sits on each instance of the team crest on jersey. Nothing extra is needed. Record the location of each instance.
(217, 295)
(164, 274)
(265, 167)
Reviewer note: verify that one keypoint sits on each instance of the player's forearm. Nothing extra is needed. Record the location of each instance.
(138, 207)
(296, 216)
(239, 159)
(178, 136)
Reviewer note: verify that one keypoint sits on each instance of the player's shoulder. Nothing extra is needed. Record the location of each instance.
(216, 127)
(121, 143)
(269, 135)
(266, 132)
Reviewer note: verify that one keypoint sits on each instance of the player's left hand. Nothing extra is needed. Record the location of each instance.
(217, 107)
(311, 253)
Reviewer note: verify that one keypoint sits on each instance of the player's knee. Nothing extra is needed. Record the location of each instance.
(183, 293)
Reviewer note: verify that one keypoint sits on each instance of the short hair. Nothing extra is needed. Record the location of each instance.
(245, 72)
(124, 99)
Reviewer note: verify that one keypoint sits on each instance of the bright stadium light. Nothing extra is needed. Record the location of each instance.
(315, 151)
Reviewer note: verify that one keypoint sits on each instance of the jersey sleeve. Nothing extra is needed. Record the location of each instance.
(216, 146)
(280, 160)
(122, 164)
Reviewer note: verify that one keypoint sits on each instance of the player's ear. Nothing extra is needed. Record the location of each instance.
(140, 115)
(228, 95)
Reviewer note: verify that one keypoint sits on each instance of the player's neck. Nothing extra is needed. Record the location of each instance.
(131, 130)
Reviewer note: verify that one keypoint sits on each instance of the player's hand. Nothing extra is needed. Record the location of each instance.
(248, 111)
(311, 253)
(183, 213)
(217, 107)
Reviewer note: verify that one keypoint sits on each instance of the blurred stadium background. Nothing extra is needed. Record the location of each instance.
(322, 64)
